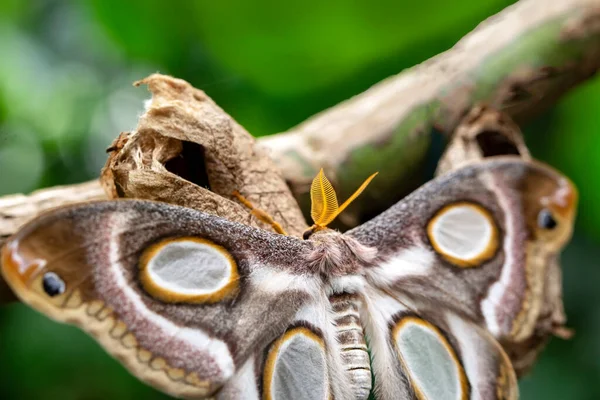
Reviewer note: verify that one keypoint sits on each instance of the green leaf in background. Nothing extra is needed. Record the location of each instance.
(315, 44)
(21, 153)
(273, 64)
(38, 363)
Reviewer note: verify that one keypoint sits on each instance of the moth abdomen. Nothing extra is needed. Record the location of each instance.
(351, 338)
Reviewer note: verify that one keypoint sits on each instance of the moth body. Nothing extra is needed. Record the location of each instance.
(350, 335)
(410, 305)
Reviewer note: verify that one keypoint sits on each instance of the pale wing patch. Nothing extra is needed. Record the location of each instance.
(464, 233)
(296, 367)
(413, 261)
(430, 361)
(275, 281)
(489, 370)
(188, 269)
(243, 385)
(380, 309)
(499, 292)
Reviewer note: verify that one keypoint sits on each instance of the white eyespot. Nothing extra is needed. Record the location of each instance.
(188, 269)
(296, 367)
(463, 233)
(431, 363)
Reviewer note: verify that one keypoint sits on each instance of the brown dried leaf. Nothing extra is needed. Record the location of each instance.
(482, 133)
(188, 151)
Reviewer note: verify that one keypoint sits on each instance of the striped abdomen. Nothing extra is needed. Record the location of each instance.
(350, 335)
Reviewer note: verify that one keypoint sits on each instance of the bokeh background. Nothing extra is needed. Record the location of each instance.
(66, 70)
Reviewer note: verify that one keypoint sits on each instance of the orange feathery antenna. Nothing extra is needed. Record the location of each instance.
(324, 203)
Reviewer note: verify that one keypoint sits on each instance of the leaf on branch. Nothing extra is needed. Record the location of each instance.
(188, 151)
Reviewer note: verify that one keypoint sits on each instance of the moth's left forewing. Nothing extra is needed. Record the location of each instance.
(181, 297)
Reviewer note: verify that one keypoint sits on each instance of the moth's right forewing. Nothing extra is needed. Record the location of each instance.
(181, 297)
(480, 240)
(466, 260)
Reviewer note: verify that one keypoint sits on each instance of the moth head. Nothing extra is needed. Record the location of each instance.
(324, 203)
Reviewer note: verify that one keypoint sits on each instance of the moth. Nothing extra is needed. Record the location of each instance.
(410, 305)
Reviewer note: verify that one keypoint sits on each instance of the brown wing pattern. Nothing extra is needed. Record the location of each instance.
(113, 269)
(482, 241)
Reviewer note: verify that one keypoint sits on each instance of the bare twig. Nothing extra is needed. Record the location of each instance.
(17, 209)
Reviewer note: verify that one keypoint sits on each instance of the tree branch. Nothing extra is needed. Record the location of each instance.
(518, 61)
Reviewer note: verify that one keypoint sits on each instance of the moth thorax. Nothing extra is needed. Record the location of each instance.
(336, 254)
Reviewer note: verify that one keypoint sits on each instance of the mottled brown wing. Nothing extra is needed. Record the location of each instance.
(181, 297)
(481, 241)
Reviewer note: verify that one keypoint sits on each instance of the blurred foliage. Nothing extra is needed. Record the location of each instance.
(65, 93)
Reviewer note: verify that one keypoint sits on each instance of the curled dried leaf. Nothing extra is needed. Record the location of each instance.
(188, 151)
(482, 133)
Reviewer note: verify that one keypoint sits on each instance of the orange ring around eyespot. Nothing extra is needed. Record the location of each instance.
(10, 270)
(464, 384)
(169, 296)
(483, 256)
(269, 368)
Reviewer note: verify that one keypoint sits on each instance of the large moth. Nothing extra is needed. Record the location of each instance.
(410, 305)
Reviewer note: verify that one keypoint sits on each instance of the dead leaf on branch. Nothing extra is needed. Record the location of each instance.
(188, 151)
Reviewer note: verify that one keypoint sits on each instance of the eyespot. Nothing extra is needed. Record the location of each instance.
(464, 233)
(188, 269)
(436, 373)
(52, 284)
(546, 219)
(297, 359)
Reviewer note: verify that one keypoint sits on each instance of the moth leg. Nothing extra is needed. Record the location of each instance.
(260, 214)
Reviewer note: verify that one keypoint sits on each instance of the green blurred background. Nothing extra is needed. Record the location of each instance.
(66, 70)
